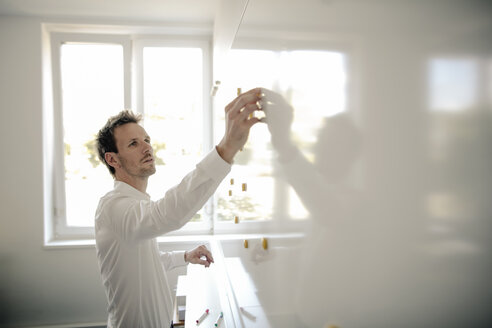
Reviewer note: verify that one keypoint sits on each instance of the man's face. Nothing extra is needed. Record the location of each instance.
(135, 153)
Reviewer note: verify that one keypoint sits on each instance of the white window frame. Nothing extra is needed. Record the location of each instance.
(61, 231)
(56, 228)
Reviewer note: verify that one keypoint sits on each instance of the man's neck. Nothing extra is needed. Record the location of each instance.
(136, 182)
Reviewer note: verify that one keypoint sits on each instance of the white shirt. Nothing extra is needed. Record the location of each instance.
(127, 222)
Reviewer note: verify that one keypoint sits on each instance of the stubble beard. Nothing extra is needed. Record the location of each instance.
(148, 172)
(141, 172)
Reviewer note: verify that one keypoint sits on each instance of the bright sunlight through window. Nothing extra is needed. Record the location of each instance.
(314, 83)
(92, 90)
(173, 107)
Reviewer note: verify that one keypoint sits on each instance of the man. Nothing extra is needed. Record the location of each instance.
(127, 222)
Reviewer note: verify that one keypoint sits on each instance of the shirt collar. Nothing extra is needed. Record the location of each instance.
(126, 189)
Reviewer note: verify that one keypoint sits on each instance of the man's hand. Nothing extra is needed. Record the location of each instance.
(199, 255)
(238, 123)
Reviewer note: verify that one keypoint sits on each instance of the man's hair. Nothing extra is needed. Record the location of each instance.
(105, 141)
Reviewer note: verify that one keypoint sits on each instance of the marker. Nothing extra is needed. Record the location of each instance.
(219, 319)
(199, 320)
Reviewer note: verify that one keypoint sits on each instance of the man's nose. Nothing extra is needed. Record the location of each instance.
(147, 148)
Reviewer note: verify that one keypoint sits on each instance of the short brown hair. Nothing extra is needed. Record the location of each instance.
(105, 141)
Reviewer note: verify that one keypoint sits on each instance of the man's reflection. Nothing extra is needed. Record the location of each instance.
(339, 244)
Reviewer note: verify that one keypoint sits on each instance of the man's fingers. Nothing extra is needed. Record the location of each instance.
(248, 110)
(249, 97)
(241, 103)
(208, 255)
(203, 256)
(203, 262)
(252, 121)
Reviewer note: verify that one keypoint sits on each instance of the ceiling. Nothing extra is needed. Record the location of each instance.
(294, 14)
(201, 11)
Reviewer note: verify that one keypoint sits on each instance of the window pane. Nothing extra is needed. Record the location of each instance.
(252, 166)
(315, 82)
(92, 90)
(173, 107)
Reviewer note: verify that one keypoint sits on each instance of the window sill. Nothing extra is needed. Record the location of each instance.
(74, 243)
(91, 243)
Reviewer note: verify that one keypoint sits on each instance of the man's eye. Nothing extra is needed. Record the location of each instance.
(133, 143)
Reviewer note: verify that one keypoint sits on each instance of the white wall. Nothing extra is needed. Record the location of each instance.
(37, 285)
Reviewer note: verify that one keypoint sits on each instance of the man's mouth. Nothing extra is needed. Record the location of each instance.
(148, 159)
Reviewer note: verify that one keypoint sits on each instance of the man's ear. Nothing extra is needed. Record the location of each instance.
(112, 159)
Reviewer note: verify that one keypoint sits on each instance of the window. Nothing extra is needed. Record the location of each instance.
(172, 100)
(316, 84)
(94, 83)
(168, 82)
